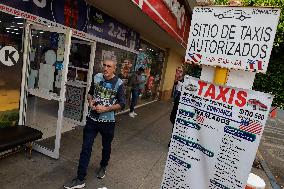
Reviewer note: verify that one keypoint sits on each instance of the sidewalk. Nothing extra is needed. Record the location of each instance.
(137, 162)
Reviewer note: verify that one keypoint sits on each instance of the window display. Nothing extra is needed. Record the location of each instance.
(151, 59)
(11, 63)
(46, 63)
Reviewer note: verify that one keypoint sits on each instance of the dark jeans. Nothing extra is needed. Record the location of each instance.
(134, 98)
(92, 128)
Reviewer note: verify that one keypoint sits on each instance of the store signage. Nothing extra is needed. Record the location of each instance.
(171, 15)
(9, 56)
(216, 135)
(177, 10)
(74, 14)
(232, 37)
(106, 27)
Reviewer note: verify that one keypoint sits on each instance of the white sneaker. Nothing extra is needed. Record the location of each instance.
(135, 113)
(131, 114)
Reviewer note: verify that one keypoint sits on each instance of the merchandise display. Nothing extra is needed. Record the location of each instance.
(46, 72)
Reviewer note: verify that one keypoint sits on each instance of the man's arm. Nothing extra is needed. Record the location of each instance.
(91, 101)
(90, 97)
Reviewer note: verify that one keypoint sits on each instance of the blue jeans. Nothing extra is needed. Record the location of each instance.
(92, 128)
(134, 98)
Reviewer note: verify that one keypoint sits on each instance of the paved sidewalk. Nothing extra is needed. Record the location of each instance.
(137, 162)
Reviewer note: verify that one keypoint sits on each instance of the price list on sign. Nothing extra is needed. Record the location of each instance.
(216, 135)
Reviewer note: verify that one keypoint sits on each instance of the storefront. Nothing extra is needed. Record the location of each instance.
(47, 68)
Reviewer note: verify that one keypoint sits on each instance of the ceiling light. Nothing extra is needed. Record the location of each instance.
(17, 33)
(16, 29)
(8, 28)
(41, 32)
(12, 32)
(18, 17)
(8, 31)
(12, 26)
(20, 23)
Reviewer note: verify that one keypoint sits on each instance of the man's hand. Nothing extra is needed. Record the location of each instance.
(92, 106)
(91, 102)
(101, 109)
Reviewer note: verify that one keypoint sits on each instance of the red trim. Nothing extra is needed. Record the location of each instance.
(166, 20)
(181, 35)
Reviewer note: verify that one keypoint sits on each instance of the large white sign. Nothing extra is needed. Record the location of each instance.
(232, 37)
(216, 135)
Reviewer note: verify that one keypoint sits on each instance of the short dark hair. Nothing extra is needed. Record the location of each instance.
(141, 69)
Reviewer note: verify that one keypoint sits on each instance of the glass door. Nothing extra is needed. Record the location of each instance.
(47, 58)
(79, 78)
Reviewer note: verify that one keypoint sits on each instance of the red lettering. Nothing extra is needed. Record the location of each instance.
(2, 7)
(241, 96)
(16, 12)
(210, 91)
(201, 85)
(223, 92)
(33, 17)
(232, 96)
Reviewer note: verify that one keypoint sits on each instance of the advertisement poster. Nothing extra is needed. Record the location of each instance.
(10, 80)
(216, 135)
(232, 37)
(73, 107)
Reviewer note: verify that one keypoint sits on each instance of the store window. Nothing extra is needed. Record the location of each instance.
(152, 60)
(77, 77)
(125, 63)
(11, 62)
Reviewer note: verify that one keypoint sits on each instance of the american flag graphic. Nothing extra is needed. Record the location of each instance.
(253, 63)
(199, 119)
(192, 57)
(251, 126)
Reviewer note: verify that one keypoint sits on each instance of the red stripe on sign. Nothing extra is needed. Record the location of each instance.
(251, 66)
(193, 58)
(253, 127)
(259, 65)
(199, 56)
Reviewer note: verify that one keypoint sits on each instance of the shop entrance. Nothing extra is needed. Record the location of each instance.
(57, 78)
